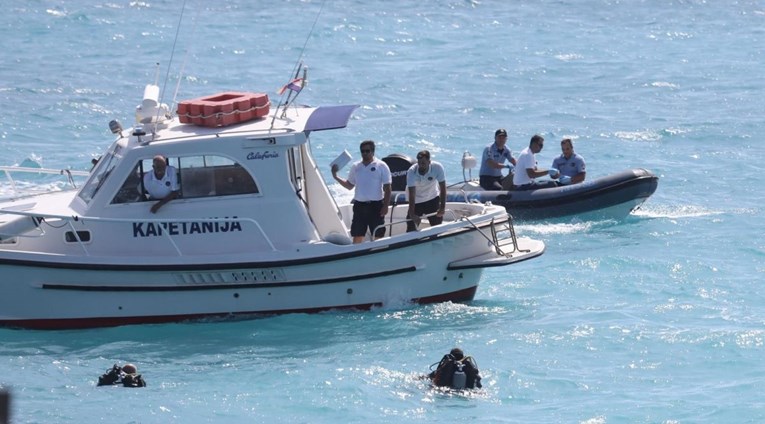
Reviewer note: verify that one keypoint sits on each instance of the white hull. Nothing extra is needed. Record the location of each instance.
(64, 295)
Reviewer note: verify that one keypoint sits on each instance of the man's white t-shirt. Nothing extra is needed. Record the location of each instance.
(368, 180)
(159, 189)
(426, 186)
(527, 160)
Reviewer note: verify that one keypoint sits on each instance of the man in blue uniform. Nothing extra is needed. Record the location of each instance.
(570, 164)
(493, 162)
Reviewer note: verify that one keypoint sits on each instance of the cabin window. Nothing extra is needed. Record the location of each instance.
(208, 175)
(198, 176)
(132, 187)
(100, 174)
(84, 236)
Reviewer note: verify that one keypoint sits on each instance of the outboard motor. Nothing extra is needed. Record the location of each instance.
(398, 165)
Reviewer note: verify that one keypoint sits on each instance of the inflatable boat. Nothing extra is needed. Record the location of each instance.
(610, 197)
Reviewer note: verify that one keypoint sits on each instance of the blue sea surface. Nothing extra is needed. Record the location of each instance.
(657, 318)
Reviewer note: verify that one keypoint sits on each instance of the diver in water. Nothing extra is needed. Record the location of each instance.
(127, 375)
(457, 371)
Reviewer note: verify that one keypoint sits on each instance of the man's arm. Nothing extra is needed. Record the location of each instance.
(510, 157)
(173, 195)
(534, 173)
(442, 198)
(491, 162)
(411, 195)
(580, 176)
(342, 182)
(386, 199)
(496, 165)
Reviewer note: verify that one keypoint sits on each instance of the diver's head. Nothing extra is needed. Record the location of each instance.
(457, 353)
(129, 369)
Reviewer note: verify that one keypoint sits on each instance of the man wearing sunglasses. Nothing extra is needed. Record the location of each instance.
(370, 179)
(526, 168)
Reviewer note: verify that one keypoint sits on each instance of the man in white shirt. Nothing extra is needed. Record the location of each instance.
(370, 179)
(426, 186)
(526, 170)
(161, 183)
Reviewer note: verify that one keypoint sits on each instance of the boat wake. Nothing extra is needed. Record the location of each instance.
(561, 228)
(674, 212)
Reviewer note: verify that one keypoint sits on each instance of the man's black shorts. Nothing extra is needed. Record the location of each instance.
(366, 217)
(487, 182)
(424, 208)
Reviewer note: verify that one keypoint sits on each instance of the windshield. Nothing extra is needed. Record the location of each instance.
(100, 174)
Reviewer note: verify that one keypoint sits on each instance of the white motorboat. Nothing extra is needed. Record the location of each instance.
(254, 231)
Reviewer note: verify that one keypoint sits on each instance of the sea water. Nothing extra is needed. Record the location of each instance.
(657, 318)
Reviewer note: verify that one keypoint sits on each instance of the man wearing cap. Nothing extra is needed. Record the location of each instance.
(493, 162)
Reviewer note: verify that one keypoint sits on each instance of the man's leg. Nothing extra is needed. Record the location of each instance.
(375, 220)
(358, 223)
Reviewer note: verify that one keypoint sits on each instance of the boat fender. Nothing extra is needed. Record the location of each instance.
(398, 165)
(337, 238)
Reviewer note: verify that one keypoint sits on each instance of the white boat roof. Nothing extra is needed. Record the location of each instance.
(295, 119)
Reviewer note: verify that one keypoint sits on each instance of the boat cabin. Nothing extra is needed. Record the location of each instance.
(252, 185)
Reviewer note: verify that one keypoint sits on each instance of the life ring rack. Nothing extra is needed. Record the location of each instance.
(224, 109)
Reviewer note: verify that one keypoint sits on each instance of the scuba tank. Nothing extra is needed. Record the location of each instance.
(459, 379)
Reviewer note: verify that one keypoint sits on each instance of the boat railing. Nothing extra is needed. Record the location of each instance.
(451, 216)
(71, 220)
(390, 224)
(10, 170)
(494, 240)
